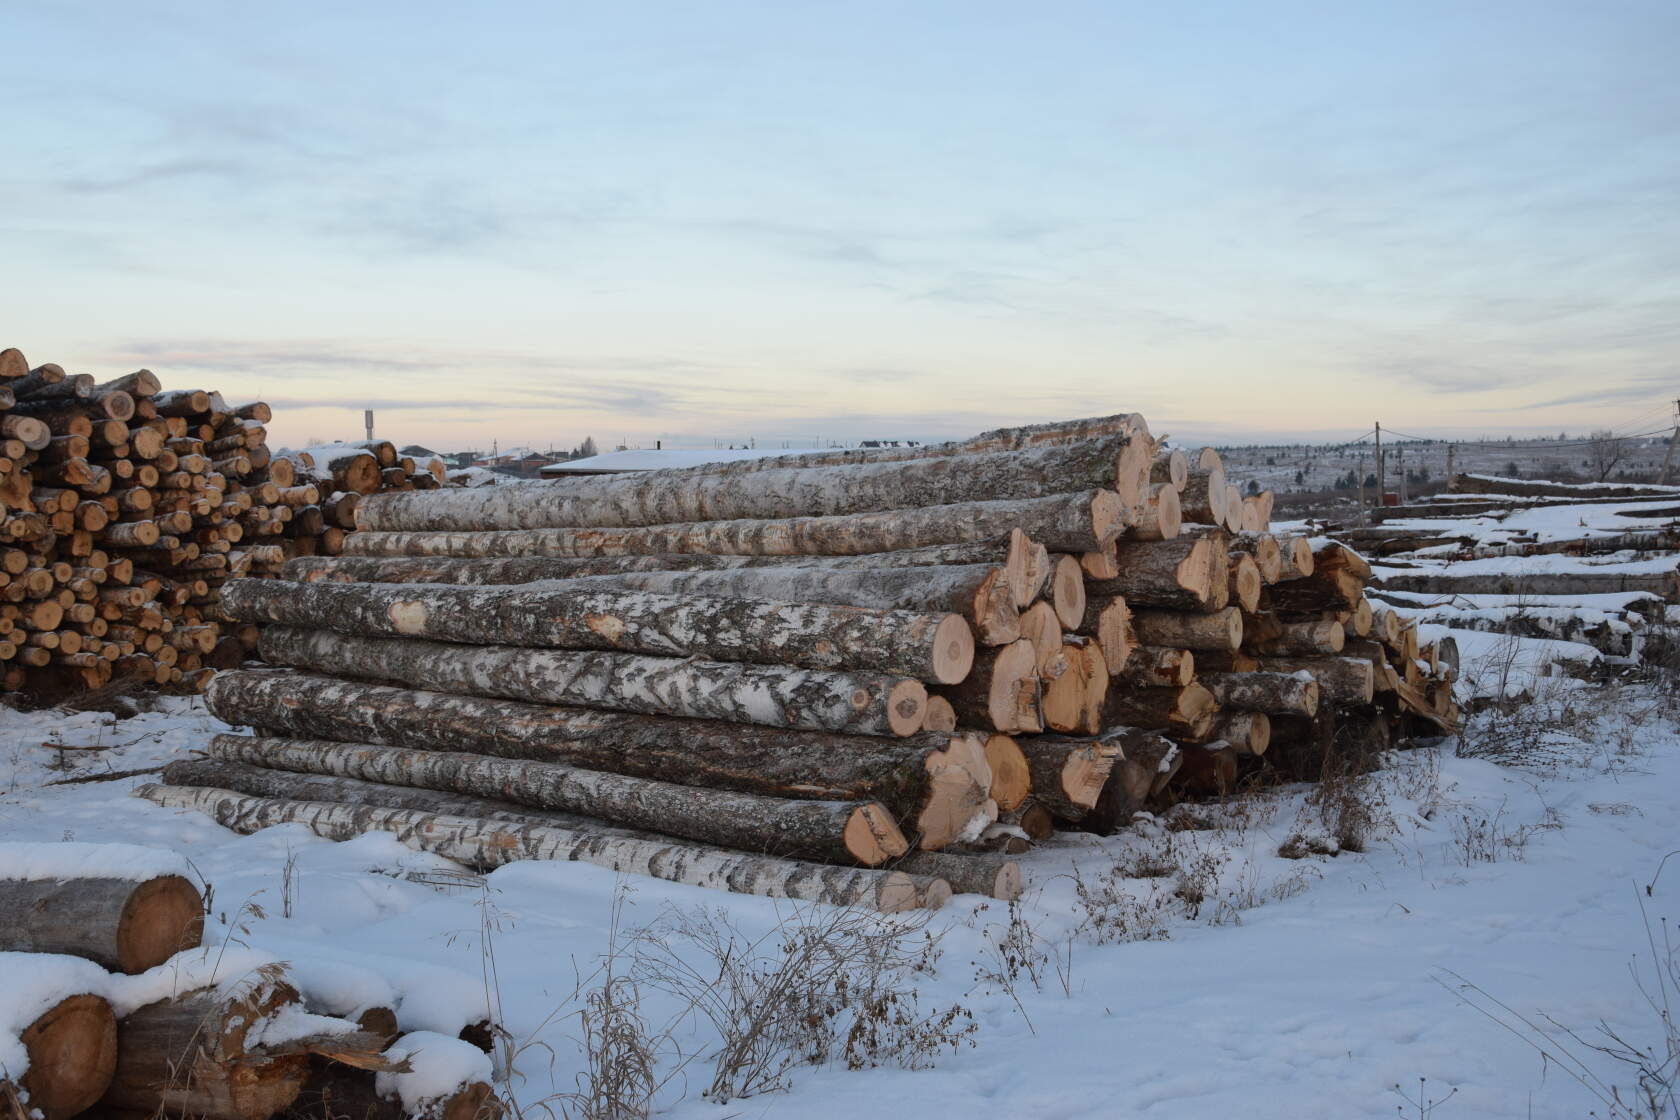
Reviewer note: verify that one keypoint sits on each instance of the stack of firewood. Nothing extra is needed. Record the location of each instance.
(855, 676)
(110, 1004)
(126, 507)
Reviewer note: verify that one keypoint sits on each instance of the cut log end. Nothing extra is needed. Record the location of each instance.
(1011, 781)
(940, 715)
(959, 791)
(1108, 516)
(163, 916)
(1067, 592)
(953, 650)
(1114, 633)
(907, 707)
(72, 1051)
(872, 836)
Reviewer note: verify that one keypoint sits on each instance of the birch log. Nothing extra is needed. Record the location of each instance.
(834, 831)
(1078, 522)
(980, 593)
(481, 843)
(931, 647)
(122, 925)
(709, 753)
(628, 500)
(1013, 552)
(771, 695)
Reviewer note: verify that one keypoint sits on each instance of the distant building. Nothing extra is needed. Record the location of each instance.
(415, 451)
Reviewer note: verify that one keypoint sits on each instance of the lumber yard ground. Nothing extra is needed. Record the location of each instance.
(1185, 973)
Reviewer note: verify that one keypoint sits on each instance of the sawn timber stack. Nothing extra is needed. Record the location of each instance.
(859, 677)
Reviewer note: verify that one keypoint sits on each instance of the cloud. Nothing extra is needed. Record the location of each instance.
(162, 171)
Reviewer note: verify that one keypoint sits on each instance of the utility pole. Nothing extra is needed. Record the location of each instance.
(1450, 449)
(1668, 457)
(367, 421)
(1400, 472)
(1380, 488)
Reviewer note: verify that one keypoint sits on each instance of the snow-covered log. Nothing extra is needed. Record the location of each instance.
(125, 907)
(58, 1034)
(770, 695)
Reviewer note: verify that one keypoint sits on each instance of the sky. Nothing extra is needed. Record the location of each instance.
(796, 222)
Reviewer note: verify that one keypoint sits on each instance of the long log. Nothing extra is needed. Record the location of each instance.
(199, 1054)
(1445, 582)
(838, 831)
(932, 647)
(71, 1049)
(1272, 693)
(731, 756)
(124, 926)
(1012, 551)
(1183, 574)
(1302, 639)
(771, 695)
(628, 500)
(979, 593)
(1069, 523)
(483, 843)
(994, 875)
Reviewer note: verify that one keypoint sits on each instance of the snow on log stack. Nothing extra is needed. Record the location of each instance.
(854, 676)
(126, 507)
(109, 1002)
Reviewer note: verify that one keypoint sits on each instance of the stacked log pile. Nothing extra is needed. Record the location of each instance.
(110, 1004)
(860, 677)
(127, 506)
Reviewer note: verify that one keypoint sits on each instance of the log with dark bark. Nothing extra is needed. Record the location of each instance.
(198, 1055)
(1293, 639)
(1220, 630)
(1066, 522)
(1150, 760)
(1247, 733)
(1203, 496)
(1068, 775)
(1183, 574)
(731, 756)
(771, 695)
(996, 876)
(1207, 770)
(72, 1052)
(340, 1092)
(1273, 693)
(1002, 691)
(122, 925)
(933, 647)
(1188, 710)
(1159, 667)
(624, 501)
(1336, 583)
(836, 831)
(482, 843)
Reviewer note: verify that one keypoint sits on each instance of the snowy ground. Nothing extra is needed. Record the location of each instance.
(1295, 988)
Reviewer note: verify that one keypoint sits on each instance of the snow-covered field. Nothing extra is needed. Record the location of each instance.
(1263, 986)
